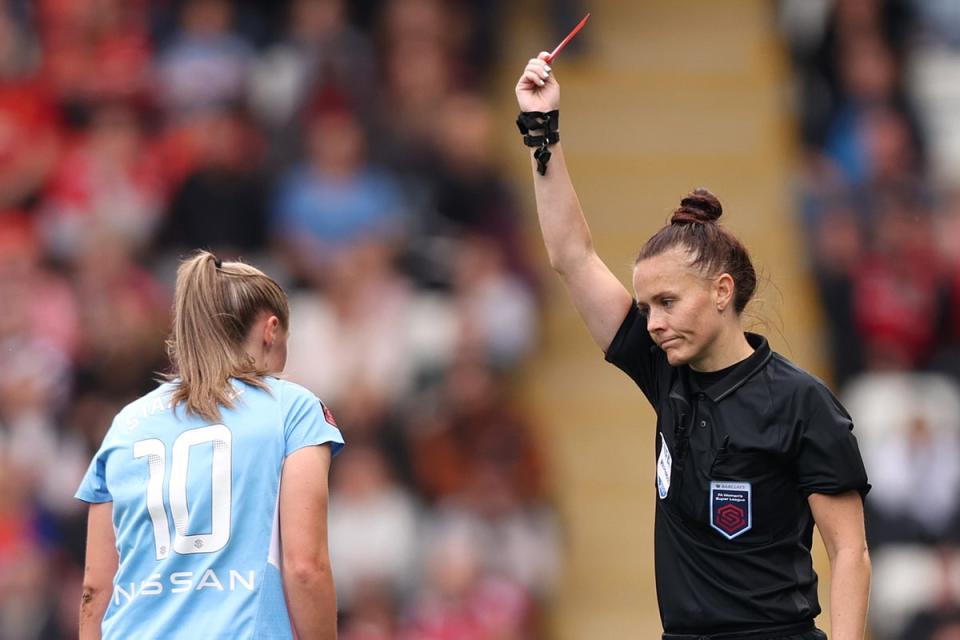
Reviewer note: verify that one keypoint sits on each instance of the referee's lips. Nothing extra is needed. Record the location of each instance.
(669, 342)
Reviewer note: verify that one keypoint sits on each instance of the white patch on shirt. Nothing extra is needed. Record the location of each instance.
(664, 466)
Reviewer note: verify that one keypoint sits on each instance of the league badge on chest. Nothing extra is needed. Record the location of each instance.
(730, 508)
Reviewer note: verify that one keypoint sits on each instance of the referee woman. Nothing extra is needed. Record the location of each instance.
(751, 450)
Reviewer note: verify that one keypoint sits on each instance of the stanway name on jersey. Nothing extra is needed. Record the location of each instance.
(183, 582)
(148, 407)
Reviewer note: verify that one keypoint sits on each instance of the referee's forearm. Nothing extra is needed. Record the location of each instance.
(565, 231)
(849, 591)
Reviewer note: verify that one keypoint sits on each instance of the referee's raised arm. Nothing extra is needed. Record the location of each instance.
(598, 295)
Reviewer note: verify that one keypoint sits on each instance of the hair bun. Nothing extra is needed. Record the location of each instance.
(700, 206)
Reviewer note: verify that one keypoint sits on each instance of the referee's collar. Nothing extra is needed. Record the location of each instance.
(739, 373)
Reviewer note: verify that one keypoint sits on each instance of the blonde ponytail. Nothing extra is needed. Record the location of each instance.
(214, 307)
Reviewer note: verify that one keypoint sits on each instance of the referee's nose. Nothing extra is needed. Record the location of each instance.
(655, 322)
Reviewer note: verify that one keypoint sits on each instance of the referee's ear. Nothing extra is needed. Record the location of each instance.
(723, 291)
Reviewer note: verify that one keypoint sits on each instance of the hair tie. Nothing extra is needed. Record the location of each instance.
(217, 262)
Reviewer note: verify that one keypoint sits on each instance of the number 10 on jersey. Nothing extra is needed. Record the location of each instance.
(155, 452)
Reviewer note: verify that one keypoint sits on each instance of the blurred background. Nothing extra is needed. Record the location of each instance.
(498, 479)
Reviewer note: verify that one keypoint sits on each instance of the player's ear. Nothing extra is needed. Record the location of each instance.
(271, 329)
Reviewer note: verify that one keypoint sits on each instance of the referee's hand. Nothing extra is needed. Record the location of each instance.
(537, 89)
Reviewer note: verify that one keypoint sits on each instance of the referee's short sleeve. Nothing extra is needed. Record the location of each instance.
(828, 459)
(635, 353)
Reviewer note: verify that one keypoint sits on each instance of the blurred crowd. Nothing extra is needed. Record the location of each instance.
(346, 149)
(878, 107)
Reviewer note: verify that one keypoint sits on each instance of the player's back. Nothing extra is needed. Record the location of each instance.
(195, 510)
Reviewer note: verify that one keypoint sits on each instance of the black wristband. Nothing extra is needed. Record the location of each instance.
(529, 121)
(539, 141)
(547, 125)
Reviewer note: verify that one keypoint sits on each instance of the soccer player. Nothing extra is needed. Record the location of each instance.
(751, 450)
(208, 496)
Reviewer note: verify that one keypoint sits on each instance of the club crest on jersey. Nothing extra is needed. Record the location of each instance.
(328, 415)
(731, 511)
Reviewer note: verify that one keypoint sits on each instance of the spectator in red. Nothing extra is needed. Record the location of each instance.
(95, 51)
(899, 290)
(109, 179)
(28, 121)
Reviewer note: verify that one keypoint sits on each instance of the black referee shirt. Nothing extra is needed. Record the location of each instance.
(736, 459)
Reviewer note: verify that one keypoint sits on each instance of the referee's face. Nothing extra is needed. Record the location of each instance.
(680, 306)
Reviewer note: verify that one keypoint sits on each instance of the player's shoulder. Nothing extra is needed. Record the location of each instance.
(285, 386)
(289, 392)
(297, 400)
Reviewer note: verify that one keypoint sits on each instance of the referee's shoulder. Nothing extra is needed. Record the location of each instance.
(795, 380)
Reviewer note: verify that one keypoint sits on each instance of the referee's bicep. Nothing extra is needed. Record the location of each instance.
(599, 297)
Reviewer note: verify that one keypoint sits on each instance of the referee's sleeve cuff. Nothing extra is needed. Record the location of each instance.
(616, 345)
(863, 489)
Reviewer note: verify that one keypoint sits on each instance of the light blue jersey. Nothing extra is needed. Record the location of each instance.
(195, 511)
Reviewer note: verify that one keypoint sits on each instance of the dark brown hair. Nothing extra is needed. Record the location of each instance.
(715, 250)
(215, 304)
